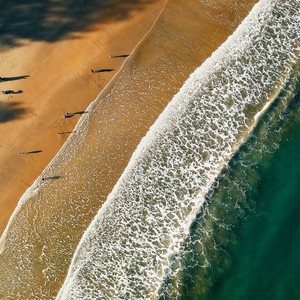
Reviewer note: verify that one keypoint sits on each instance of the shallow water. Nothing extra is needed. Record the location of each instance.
(135, 242)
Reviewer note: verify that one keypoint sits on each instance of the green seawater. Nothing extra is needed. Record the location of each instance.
(254, 253)
(265, 260)
(245, 242)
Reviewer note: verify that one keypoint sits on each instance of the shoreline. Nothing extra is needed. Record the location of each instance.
(57, 215)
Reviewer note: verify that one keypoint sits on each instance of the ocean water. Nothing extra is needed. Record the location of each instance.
(264, 261)
(269, 241)
(166, 229)
(251, 219)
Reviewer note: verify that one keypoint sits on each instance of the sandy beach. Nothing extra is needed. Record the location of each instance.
(60, 80)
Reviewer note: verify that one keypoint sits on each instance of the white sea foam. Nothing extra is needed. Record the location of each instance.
(126, 250)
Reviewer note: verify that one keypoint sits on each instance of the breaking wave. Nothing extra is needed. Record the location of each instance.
(127, 249)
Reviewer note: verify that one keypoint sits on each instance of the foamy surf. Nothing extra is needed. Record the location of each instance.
(125, 252)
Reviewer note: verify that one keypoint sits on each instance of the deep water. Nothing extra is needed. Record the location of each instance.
(259, 256)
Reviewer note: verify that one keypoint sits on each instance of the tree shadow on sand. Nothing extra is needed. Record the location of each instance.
(10, 111)
(52, 20)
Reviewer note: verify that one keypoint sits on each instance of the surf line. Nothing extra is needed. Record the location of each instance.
(148, 214)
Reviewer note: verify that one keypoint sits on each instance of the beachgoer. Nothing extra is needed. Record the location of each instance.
(102, 70)
(68, 115)
(8, 92)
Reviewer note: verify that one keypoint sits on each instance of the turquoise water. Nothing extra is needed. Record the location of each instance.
(265, 261)
(255, 250)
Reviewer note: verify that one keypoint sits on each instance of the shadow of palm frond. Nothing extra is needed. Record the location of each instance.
(52, 20)
(10, 111)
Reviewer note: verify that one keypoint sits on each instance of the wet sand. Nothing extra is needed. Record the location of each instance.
(47, 229)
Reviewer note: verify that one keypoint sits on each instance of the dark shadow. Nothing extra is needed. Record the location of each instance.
(7, 92)
(31, 152)
(13, 78)
(52, 20)
(102, 70)
(10, 111)
(80, 112)
(120, 55)
(51, 178)
(66, 132)
(70, 115)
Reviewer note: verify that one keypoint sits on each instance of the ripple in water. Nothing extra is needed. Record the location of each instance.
(126, 251)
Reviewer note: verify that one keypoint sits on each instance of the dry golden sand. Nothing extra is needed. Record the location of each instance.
(60, 80)
(52, 222)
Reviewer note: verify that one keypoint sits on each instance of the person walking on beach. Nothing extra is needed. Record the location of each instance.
(101, 70)
(68, 115)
